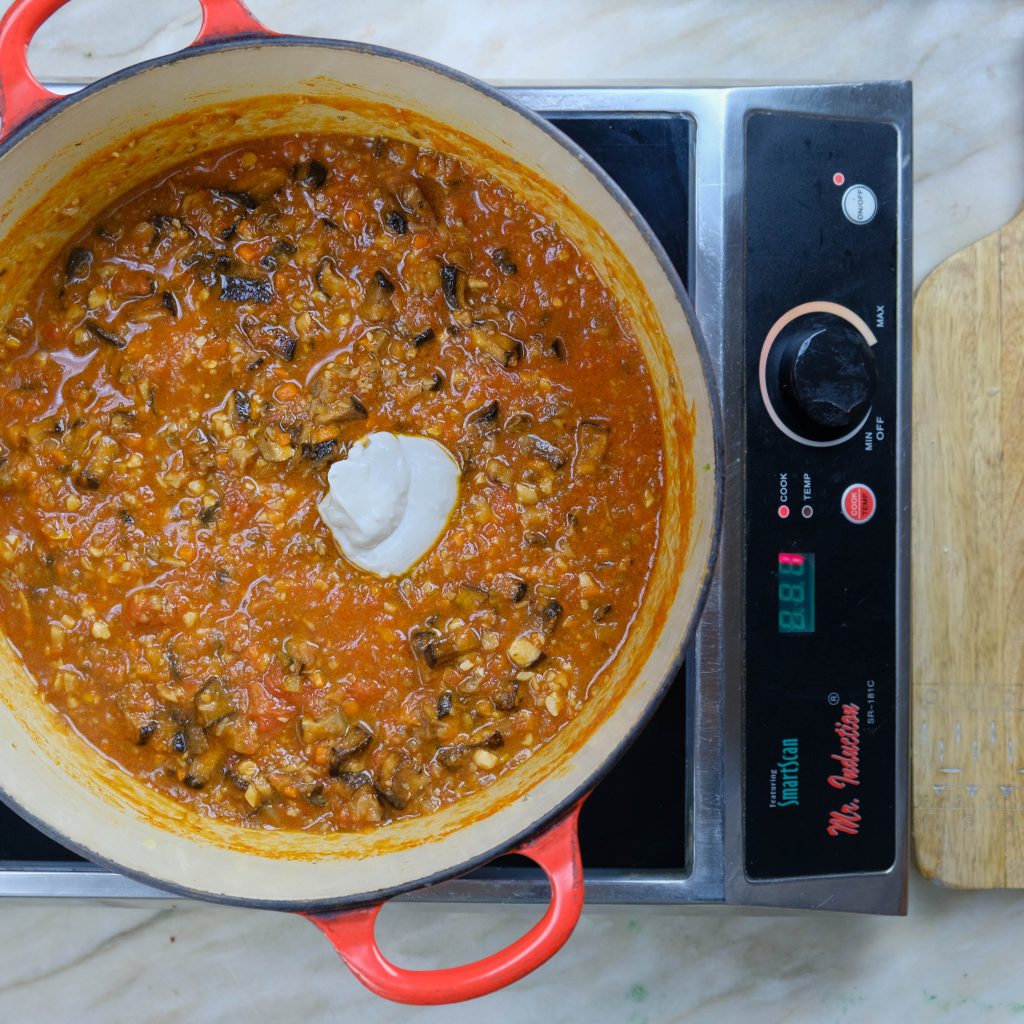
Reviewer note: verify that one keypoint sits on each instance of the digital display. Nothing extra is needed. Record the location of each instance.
(796, 592)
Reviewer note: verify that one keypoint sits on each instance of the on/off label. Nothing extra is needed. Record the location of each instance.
(859, 503)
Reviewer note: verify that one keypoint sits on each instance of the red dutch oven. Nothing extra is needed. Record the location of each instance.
(62, 161)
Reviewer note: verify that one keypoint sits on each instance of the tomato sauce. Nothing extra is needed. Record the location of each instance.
(175, 389)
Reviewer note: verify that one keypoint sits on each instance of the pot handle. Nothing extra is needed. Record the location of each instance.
(21, 94)
(223, 19)
(557, 851)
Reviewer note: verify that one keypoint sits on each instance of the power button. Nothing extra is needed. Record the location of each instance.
(860, 204)
(859, 503)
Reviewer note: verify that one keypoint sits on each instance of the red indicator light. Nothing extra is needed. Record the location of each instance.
(783, 511)
(788, 558)
(838, 178)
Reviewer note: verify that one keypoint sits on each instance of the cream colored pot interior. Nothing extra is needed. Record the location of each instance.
(120, 135)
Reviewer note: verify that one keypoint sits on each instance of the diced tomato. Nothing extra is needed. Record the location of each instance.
(134, 283)
(268, 707)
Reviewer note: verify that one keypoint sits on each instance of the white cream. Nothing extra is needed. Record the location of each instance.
(390, 500)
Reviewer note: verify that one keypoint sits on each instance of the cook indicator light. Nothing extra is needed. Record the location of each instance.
(783, 511)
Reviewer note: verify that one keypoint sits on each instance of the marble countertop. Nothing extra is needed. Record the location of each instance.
(955, 957)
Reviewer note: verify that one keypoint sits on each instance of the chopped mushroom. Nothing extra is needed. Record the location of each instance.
(509, 586)
(498, 346)
(299, 654)
(328, 280)
(433, 648)
(454, 755)
(548, 614)
(411, 196)
(327, 402)
(535, 445)
(170, 303)
(202, 767)
(100, 462)
(102, 334)
(78, 265)
(242, 199)
(519, 422)
(319, 451)
(469, 598)
(327, 727)
(283, 343)
(506, 694)
(397, 787)
(354, 742)
(312, 174)
(213, 702)
(242, 404)
(558, 350)
(504, 262)
(258, 290)
(499, 473)
(209, 509)
(275, 444)
(591, 445)
(453, 286)
(378, 304)
(486, 415)
(396, 223)
(355, 780)
(146, 732)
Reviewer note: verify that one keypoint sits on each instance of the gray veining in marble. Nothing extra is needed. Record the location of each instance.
(957, 957)
(203, 965)
(964, 56)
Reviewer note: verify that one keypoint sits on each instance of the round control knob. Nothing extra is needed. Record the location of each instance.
(824, 377)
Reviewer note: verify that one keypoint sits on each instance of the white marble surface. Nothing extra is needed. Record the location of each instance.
(957, 956)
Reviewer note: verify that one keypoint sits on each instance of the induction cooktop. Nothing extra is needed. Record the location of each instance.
(774, 772)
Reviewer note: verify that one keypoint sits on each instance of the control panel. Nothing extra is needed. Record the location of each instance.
(820, 507)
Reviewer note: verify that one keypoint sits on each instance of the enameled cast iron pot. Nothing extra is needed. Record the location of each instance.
(62, 161)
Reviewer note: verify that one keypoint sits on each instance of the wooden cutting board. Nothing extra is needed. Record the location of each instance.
(968, 566)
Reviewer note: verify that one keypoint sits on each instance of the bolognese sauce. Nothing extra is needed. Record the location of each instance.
(177, 386)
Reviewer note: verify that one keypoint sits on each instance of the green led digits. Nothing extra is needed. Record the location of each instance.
(796, 593)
